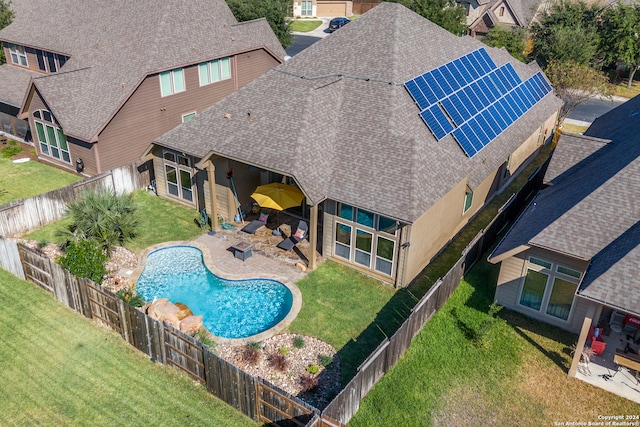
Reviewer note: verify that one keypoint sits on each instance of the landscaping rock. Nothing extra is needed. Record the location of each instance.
(191, 324)
(163, 310)
(184, 311)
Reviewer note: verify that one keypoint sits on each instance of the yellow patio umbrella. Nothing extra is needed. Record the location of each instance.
(277, 196)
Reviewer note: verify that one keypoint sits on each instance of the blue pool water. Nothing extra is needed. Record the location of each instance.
(229, 308)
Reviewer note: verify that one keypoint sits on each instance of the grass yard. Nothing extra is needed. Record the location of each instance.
(467, 367)
(23, 180)
(304, 25)
(60, 369)
(621, 89)
(339, 306)
(569, 128)
(160, 221)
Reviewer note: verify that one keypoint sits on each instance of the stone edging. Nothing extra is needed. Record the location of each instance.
(296, 304)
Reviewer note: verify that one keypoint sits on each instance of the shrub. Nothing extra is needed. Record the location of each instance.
(42, 243)
(298, 342)
(284, 351)
(205, 338)
(325, 360)
(130, 297)
(252, 353)
(278, 362)
(106, 218)
(313, 369)
(84, 259)
(12, 149)
(308, 382)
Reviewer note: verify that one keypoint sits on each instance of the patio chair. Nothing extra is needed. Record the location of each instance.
(291, 242)
(256, 224)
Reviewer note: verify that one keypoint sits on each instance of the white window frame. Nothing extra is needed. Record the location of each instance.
(20, 54)
(184, 194)
(190, 116)
(551, 270)
(373, 231)
(172, 81)
(48, 144)
(302, 8)
(217, 64)
(465, 209)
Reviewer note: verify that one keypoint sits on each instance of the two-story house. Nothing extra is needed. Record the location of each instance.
(482, 15)
(98, 81)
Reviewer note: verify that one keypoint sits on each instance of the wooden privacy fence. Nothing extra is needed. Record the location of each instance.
(28, 214)
(252, 396)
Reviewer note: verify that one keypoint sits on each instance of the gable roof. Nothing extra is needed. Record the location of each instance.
(523, 12)
(114, 45)
(14, 83)
(338, 118)
(592, 209)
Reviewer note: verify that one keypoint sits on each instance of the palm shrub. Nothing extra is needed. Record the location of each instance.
(84, 259)
(102, 217)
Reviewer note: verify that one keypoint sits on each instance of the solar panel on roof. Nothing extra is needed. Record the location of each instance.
(473, 99)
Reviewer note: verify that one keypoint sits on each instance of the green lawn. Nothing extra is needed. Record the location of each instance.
(621, 89)
(467, 367)
(160, 221)
(60, 369)
(342, 307)
(23, 180)
(304, 25)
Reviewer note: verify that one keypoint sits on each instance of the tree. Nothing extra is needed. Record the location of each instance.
(575, 83)
(103, 218)
(6, 17)
(567, 33)
(620, 36)
(514, 40)
(445, 13)
(275, 11)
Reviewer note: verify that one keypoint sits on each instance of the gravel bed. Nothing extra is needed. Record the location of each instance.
(297, 362)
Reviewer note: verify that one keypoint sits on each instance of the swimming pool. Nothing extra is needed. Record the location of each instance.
(229, 308)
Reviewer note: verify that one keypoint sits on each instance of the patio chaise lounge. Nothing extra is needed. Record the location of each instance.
(255, 225)
(291, 242)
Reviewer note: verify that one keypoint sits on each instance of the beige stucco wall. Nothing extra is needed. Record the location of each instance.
(511, 279)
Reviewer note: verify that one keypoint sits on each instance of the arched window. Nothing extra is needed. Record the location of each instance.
(53, 142)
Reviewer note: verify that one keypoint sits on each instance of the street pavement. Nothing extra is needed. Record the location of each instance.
(304, 40)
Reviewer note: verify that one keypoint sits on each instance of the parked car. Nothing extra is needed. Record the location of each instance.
(337, 23)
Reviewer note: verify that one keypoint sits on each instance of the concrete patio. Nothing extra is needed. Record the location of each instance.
(602, 372)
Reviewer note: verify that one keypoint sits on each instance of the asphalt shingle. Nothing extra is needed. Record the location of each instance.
(591, 211)
(114, 44)
(338, 118)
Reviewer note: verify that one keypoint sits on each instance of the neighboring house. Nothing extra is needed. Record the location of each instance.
(322, 8)
(482, 15)
(574, 252)
(97, 81)
(339, 121)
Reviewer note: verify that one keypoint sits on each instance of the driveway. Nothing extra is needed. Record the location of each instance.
(301, 41)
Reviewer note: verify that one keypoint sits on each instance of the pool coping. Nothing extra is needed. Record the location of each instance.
(281, 326)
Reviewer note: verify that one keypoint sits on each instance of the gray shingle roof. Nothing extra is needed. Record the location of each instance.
(592, 210)
(338, 118)
(113, 45)
(14, 84)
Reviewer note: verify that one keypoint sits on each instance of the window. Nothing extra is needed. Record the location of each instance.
(188, 116)
(533, 290)
(468, 200)
(177, 170)
(214, 71)
(501, 11)
(306, 8)
(172, 82)
(53, 142)
(548, 293)
(50, 62)
(561, 298)
(18, 55)
(365, 238)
